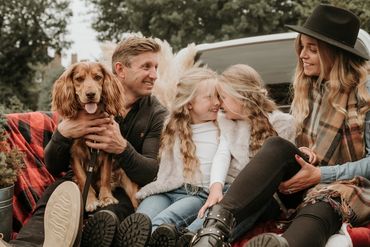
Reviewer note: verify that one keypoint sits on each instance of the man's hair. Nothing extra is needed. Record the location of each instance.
(133, 46)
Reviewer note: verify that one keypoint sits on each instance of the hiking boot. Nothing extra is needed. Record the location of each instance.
(185, 239)
(267, 240)
(63, 214)
(134, 231)
(99, 229)
(165, 235)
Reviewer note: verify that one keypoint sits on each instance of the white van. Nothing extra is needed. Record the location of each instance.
(273, 56)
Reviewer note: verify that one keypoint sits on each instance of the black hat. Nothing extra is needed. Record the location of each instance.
(336, 26)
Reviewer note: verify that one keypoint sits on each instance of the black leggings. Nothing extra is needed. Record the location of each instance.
(259, 180)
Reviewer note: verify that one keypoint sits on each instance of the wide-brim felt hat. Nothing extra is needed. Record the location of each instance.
(335, 26)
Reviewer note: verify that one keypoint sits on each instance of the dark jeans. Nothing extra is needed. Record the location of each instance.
(32, 233)
(259, 180)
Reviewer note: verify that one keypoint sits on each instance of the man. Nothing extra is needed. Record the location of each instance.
(133, 140)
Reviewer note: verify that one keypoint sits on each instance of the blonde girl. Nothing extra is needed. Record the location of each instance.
(255, 117)
(190, 141)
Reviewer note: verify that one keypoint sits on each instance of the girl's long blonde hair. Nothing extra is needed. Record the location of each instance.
(178, 122)
(345, 71)
(245, 84)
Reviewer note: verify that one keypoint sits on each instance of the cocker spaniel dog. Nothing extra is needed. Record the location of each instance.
(88, 86)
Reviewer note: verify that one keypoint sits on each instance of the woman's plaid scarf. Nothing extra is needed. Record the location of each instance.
(335, 138)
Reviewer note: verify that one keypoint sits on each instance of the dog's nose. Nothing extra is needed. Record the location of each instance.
(90, 95)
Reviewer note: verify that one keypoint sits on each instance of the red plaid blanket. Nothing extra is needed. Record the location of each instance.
(30, 132)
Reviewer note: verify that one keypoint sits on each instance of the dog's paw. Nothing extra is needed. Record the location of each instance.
(92, 204)
(105, 201)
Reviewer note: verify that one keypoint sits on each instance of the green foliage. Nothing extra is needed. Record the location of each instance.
(12, 105)
(44, 102)
(11, 159)
(185, 21)
(29, 30)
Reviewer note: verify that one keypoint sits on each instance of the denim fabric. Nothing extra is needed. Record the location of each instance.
(179, 207)
(198, 222)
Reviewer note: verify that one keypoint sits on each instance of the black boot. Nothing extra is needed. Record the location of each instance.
(216, 228)
(185, 239)
(100, 229)
(268, 240)
(167, 235)
(134, 231)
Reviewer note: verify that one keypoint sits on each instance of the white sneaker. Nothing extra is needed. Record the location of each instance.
(3, 243)
(63, 216)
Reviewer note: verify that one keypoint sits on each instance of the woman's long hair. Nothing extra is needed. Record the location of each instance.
(178, 122)
(244, 83)
(345, 71)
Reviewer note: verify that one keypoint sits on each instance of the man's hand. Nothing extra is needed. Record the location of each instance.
(215, 196)
(82, 125)
(109, 139)
(306, 177)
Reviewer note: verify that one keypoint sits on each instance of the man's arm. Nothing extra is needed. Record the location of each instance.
(57, 155)
(142, 167)
(57, 151)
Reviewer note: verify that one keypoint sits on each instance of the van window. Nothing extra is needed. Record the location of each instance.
(274, 60)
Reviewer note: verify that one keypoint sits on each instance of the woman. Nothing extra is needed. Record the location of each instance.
(330, 104)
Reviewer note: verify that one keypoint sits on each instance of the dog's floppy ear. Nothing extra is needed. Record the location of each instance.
(63, 95)
(113, 94)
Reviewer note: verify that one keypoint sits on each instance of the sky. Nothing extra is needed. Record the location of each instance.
(81, 34)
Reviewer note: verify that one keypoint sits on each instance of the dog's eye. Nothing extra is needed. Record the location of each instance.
(79, 79)
(98, 78)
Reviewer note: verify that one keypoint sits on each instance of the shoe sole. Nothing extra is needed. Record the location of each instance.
(163, 237)
(63, 216)
(266, 240)
(99, 229)
(134, 231)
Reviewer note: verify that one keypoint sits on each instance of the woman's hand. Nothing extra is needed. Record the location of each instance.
(214, 197)
(312, 158)
(306, 177)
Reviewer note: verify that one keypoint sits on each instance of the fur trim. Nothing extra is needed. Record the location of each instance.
(170, 174)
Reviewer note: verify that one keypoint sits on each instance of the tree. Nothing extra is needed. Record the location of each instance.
(361, 8)
(29, 30)
(181, 22)
(50, 76)
(186, 21)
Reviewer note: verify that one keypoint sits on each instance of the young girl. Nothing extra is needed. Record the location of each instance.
(189, 143)
(330, 103)
(255, 118)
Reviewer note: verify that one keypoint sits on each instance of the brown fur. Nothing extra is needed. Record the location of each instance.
(82, 83)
